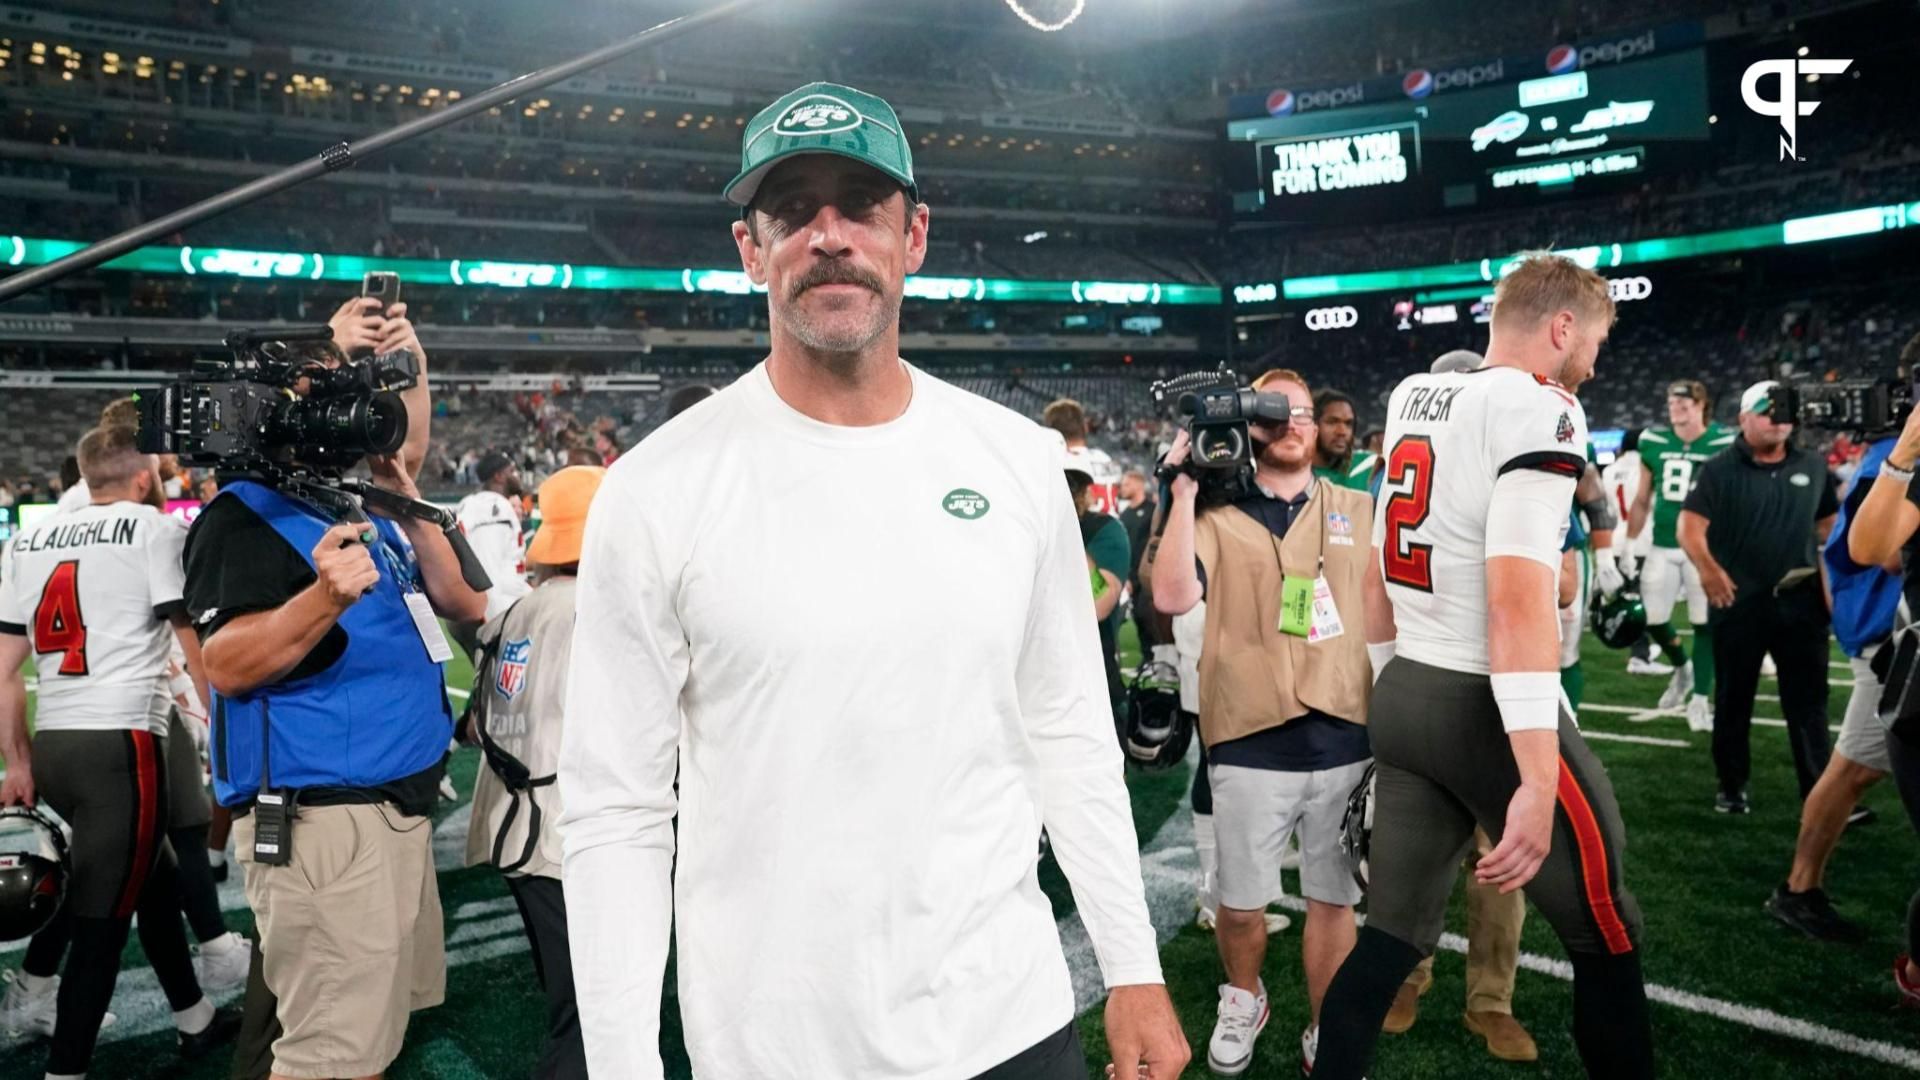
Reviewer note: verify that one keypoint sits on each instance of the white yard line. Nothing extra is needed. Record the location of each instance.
(1643, 740)
(1766, 1020)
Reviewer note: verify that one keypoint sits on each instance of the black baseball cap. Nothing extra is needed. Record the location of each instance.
(491, 465)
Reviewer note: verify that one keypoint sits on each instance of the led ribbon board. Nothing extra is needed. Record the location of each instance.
(316, 266)
(1864, 221)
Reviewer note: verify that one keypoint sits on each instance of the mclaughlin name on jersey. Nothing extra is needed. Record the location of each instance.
(80, 534)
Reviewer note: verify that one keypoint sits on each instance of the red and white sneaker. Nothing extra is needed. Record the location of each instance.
(1909, 988)
(1242, 1015)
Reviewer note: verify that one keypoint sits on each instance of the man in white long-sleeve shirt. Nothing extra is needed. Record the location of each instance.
(876, 670)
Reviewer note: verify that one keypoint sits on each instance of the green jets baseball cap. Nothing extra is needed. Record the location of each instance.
(823, 118)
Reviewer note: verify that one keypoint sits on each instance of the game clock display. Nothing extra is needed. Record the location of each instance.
(1495, 145)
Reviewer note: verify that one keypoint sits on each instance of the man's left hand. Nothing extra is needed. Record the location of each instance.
(388, 474)
(1142, 1029)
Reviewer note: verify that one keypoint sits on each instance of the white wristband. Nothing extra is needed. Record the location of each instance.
(1528, 700)
(1378, 653)
(1900, 475)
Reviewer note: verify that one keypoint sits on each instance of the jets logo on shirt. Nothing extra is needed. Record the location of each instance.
(1563, 431)
(965, 504)
(511, 677)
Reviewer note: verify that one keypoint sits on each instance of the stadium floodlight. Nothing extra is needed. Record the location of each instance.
(1042, 25)
(343, 155)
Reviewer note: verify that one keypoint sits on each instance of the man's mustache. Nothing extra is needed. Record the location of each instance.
(835, 272)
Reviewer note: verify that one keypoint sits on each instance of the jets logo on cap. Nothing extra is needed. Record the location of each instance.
(818, 114)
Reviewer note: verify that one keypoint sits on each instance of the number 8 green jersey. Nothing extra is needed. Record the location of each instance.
(1674, 465)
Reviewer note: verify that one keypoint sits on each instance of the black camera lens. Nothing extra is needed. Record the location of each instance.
(373, 424)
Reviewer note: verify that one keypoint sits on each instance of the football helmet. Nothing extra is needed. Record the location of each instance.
(1157, 733)
(1620, 619)
(34, 871)
(1356, 827)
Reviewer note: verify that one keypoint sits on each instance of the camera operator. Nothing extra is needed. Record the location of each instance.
(1283, 698)
(1865, 600)
(1752, 526)
(1882, 533)
(330, 729)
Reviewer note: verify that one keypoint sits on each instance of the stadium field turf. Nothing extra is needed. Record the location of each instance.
(1735, 994)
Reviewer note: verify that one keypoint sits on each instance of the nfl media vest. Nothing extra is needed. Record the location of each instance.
(375, 715)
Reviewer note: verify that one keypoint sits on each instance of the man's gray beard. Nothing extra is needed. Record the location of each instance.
(840, 353)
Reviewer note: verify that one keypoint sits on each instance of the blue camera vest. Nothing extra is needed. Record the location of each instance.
(377, 714)
(1865, 598)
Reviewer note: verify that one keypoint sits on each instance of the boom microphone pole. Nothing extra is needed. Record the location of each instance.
(342, 155)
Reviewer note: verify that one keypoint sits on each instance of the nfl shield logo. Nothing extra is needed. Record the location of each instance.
(511, 677)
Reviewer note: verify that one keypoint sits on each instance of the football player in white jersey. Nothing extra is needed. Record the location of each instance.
(94, 596)
(491, 520)
(1468, 721)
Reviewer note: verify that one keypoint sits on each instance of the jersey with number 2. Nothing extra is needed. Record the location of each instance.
(1449, 438)
(91, 590)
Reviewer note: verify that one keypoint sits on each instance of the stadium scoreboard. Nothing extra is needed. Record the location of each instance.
(1491, 146)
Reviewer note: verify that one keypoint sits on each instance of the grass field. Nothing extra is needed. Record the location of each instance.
(1736, 995)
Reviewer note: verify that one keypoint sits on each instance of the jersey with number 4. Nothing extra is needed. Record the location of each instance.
(1675, 465)
(1449, 438)
(92, 590)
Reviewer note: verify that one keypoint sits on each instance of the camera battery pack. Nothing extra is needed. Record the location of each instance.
(272, 829)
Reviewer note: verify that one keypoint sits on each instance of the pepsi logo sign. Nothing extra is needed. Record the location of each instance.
(1417, 83)
(1332, 318)
(1562, 59)
(1280, 103)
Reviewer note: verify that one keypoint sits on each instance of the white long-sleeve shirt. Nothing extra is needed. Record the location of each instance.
(872, 654)
(492, 526)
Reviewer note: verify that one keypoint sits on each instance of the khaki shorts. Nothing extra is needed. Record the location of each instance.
(350, 936)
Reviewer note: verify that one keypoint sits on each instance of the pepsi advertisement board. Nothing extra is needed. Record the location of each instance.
(1419, 83)
(1500, 145)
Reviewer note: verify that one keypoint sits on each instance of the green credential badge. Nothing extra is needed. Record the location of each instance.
(965, 503)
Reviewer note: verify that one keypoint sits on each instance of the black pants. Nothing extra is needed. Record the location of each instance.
(543, 908)
(1904, 758)
(259, 1026)
(1794, 630)
(111, 786)
(1056, 1057)
(199, 896)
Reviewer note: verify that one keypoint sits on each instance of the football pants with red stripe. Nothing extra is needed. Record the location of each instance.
(111, 787)
(1444, 765)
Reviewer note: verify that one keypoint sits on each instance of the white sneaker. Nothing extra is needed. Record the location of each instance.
(1309, 1049)
(1637, 666)
(1699, 713)
(1290, 853)
(1277, 922)
(1678, 687)
(33, 1012)
(1241, 1017)
(1204, 918)
(222, 964)
(1767, 670)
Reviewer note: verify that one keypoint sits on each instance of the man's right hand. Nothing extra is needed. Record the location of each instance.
(344, 564)
(1717, 584)
(358, 326)
(17, 788)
